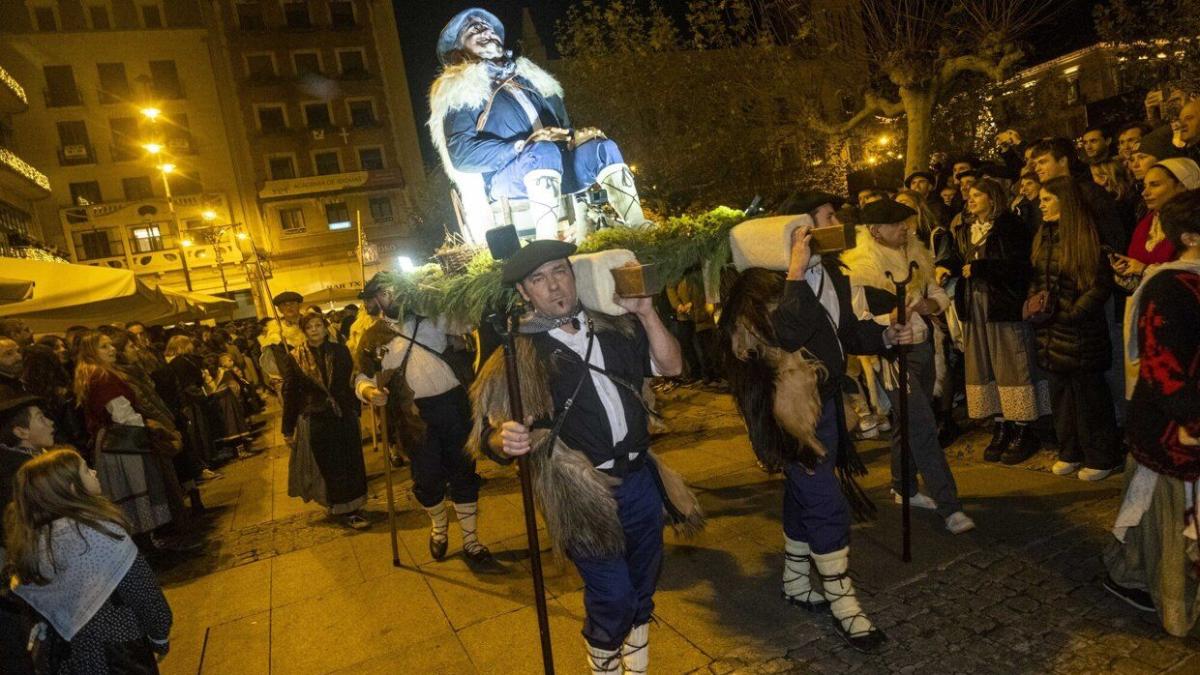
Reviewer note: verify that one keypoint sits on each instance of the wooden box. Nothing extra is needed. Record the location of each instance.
(637, 281)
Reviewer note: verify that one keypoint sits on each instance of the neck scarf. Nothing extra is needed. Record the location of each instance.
(503, 68)
(84, 570)
(534, 322)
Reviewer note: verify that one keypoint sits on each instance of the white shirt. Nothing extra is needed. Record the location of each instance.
(427, 374)
(824, 290)
(610, 398)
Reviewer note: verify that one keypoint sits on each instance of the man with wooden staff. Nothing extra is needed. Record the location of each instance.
(789, 326)
(601, 491)
(428, 413)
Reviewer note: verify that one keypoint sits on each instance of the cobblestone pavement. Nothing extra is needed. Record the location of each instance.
(1019, 595)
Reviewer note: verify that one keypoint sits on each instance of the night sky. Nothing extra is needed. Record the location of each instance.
(421, 20)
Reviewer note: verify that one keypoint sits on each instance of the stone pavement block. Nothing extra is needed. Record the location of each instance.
(224, 596)
(443, 655)
(373, 551)
(241, 647)
(1127, 666)
(348, 625)
(510, 643)
(1158, 656)
(467, 598)
(187, 646)
(298, 575)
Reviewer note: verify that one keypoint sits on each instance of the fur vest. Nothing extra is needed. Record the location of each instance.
(576, 499)
(469, 86)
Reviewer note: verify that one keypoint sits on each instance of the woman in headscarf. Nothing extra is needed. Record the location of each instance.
(320, 422)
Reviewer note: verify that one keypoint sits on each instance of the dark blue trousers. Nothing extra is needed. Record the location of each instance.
(577, 167)
(814, 508)
(618, 593)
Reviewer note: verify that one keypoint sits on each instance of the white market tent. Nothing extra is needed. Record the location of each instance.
(65, 295)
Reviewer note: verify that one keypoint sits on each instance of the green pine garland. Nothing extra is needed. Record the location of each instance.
(677, 246)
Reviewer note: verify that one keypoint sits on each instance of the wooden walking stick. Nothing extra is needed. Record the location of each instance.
(391, 492)
(902, 389)
(517, 412)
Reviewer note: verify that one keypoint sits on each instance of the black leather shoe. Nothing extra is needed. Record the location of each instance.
(949, 433)
(1002, 435)
(437, 549)
(481, 560)
(1024, 445)
(867, 643)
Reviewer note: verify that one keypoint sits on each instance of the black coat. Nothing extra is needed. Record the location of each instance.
(1000, 266)
(332, 411)
(1075, 339)
(801, 323)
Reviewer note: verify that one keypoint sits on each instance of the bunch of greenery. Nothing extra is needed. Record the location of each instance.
(677, 246)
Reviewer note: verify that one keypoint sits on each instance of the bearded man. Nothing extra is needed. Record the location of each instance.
(499, 124)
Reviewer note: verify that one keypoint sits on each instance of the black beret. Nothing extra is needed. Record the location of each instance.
(532, 256)
(287, 296)
(809, 201)
(884, 212)
(13, 404)
(1159, 144)
(379, 282)
(927, 175)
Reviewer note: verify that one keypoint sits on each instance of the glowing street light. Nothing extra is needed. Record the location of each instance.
(209, 215)
(166, 168)
(185, 243)
(151, 113)
(884, 139)
(153, 148)
(242, 236)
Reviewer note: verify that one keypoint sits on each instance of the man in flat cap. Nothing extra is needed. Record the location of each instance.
(500, 122)
(401, 366)
(287, 328)
(600, 489)
(887, 243)
(923, 183)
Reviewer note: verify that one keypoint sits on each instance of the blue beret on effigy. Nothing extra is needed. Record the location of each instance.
(448, 38)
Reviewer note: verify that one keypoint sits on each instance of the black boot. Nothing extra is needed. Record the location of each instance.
(1024, 445)
(948, 432)
(1002, 435)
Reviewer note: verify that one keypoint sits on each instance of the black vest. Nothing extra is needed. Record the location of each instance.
(585, 427)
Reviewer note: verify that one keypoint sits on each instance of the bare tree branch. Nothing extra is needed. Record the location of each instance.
(873, 104)
(996, 69)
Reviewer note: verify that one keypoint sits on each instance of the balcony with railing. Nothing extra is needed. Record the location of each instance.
(21, 177)
(12, 94)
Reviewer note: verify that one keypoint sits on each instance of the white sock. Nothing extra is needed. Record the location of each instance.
(467, 516)
(440, 518)
(604, 661)
(635, 653)
(839, 590)
(797, 567)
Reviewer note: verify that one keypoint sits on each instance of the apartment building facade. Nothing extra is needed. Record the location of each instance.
(22, 184)
(180, 135)
(329, 132)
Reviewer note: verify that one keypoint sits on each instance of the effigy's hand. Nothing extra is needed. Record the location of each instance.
(584, 135)
(547, 134)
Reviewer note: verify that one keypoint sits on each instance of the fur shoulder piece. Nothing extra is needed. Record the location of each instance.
(867, 263)
(468, 85)
(610, 323)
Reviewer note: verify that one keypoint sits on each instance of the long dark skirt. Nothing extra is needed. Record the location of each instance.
(326, 463)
